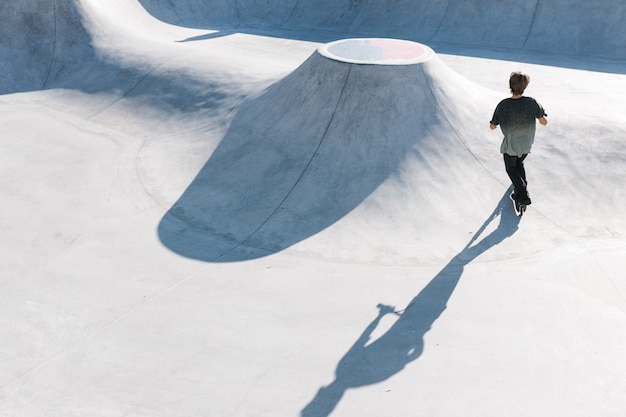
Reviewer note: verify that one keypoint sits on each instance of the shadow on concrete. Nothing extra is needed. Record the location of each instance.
(514, 55)
(319, 36)
(541, 33)
(305, 153)
(369, 363)
(47, 47)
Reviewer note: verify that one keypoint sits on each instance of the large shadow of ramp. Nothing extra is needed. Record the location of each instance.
(369, 362)
(307, 152)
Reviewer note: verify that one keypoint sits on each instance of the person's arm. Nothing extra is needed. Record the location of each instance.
(495, 121)
(542, 120)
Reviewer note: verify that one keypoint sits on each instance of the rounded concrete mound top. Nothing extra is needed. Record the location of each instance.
(377, 51)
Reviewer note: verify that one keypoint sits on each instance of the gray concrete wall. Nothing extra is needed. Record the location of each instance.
(572, 27)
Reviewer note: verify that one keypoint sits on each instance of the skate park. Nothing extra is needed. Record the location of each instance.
(298, 209)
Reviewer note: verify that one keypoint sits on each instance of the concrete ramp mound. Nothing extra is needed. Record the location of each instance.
(334, 137)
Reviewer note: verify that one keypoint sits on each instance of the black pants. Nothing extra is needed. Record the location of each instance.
(515, 169)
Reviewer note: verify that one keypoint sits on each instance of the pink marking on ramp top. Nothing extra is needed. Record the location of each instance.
(377, 51)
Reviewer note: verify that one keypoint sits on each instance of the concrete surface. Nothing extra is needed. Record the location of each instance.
(205, 216)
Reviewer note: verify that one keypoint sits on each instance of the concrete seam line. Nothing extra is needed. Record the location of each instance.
(456, 133)
(530, 29)
(54, 45)
(330, 122)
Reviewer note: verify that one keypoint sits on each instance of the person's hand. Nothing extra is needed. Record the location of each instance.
(385, 309)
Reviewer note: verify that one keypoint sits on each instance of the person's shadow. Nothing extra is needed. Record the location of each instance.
(366, 364)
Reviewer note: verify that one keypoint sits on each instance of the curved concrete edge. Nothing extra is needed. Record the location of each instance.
(376, 51)
(578, 28)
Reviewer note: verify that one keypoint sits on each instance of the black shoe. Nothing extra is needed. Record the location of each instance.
(521, 198)
(524, 199)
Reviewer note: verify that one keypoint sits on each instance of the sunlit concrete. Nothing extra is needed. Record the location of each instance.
(299, 210)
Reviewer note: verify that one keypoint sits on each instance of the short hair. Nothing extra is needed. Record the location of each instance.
(518, 81)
